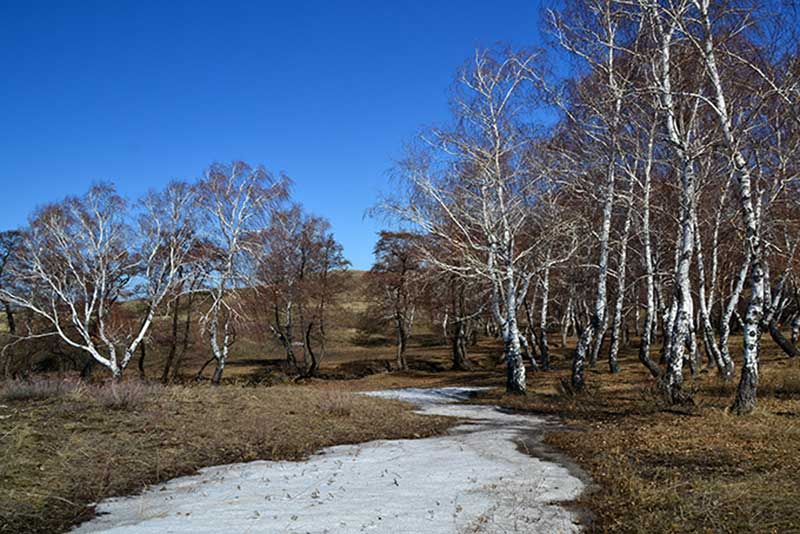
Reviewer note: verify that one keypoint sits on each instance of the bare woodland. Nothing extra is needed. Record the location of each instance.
(646, 194)
(663, 202)
(211, 258)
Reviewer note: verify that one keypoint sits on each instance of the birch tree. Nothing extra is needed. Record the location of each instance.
(622, 267)
(597, 32)
(327, 286)
(76, 267)
(235, 201)
(470, 187)
(732, 125)
(282, 267)
(10, 242)
(299, 276)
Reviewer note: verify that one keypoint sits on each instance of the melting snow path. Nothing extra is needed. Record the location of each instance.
(472, 480)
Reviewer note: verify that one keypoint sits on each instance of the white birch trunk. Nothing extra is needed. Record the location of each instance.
(723, 363)
(566, 321)
(748, 384)
(649, 269)
(684, 310)
(515, 366)
(681, 313)
(544, 350)
(598, 317)
(622, 267)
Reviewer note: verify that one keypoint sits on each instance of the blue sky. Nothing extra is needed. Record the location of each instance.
(143, 92)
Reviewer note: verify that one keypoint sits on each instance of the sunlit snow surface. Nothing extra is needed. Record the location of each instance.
(472, 480)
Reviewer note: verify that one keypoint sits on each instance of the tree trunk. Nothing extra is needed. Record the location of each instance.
(599, 315)
(528, 351)
(599, 338)
(302, 320)
(566, 323)
(748, 385)
(650, 295)
(284, 333)
(323, 345)
(142, 356)
(599, 341)
(176, 368)
(622, 267)
(312, 364)
(727, 317)
(709, 341)
(796, 329)
(515, 366)
(637, 315)
(458, 343)
(217, 378)
(116, 375)
(173, 341)
(788, 347)
(529, 348)
(402, 364)
(220, 351)
(88, 368)
(579, 360)
(203, 368)
(682, 325)
(12, 325)
(544, 350)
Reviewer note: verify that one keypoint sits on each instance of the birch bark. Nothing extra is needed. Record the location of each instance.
(622, 267)
(748, 384)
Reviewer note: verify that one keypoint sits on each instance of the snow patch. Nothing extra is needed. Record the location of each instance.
(473, 480)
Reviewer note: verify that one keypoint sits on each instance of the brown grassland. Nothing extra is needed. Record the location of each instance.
(655, 468)
(692, 469)
(61, 453)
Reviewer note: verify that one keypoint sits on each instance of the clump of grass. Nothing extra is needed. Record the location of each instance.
(336, 403)
(37, 388)
(116, 396)
(123, 396)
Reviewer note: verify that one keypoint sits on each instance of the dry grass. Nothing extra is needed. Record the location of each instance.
(41, 388)
(63, 451)
(656, 468)
(697, 469)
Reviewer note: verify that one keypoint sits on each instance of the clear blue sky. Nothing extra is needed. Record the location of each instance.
(143, 92)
